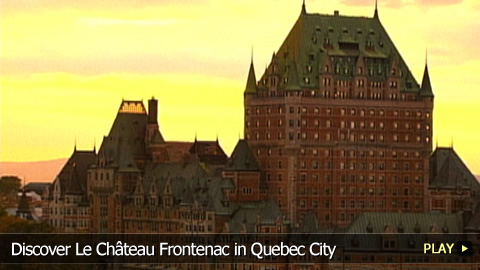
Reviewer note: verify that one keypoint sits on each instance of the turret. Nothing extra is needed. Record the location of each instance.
(251, 87)
(426, 90)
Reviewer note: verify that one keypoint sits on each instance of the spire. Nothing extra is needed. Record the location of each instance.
(94, 145)
(304, 10)
(251, 80)
(426, 89)
(75, 145)
(375, 14)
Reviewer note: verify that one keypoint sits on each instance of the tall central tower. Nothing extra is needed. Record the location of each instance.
(338, 123)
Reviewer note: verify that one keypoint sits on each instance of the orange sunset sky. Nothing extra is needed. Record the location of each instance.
(66, 65)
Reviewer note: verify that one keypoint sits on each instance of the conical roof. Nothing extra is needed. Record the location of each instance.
(157, 137)
(242, 158)
(426, 89)
(251, 81)
(74, 186)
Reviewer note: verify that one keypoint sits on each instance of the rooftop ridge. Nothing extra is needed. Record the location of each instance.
(337, 16)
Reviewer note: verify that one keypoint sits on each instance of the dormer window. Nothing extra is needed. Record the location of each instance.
(389, 243)
(327, 41)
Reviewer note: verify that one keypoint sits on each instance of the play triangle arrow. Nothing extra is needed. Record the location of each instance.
(464, 248)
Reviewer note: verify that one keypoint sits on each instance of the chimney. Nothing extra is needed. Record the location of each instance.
(152, 111)
(336, 13)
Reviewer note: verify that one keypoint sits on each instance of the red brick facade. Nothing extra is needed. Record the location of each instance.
(339, 130)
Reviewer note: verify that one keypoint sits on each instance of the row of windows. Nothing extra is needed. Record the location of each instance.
(353, 191)
(198, 228)
(345, 153)
(102, 175)
(442, 203)
(247, 191)
(154, 226)
(302, 204)
(354, 178)
(352, 137)
(371, 93)
(343, 124)
(362, 166)
(81, 223)
(80, 211)
(343, 111)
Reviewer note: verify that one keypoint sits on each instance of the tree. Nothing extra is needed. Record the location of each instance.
(9, 184)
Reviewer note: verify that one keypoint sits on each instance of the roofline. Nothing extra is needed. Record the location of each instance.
(337, 16)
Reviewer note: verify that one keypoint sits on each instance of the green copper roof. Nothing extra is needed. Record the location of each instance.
(242, 158)
(449, 171)
(251, 81)
(126, 139)
(426, 85)
(339, 41)
(405, 222)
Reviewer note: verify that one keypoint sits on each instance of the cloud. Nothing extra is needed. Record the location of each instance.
(133, 63)
(357, 2)
(371, 3)
(438, 2)
(120, 22)
(14, 6)
(402, 3)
